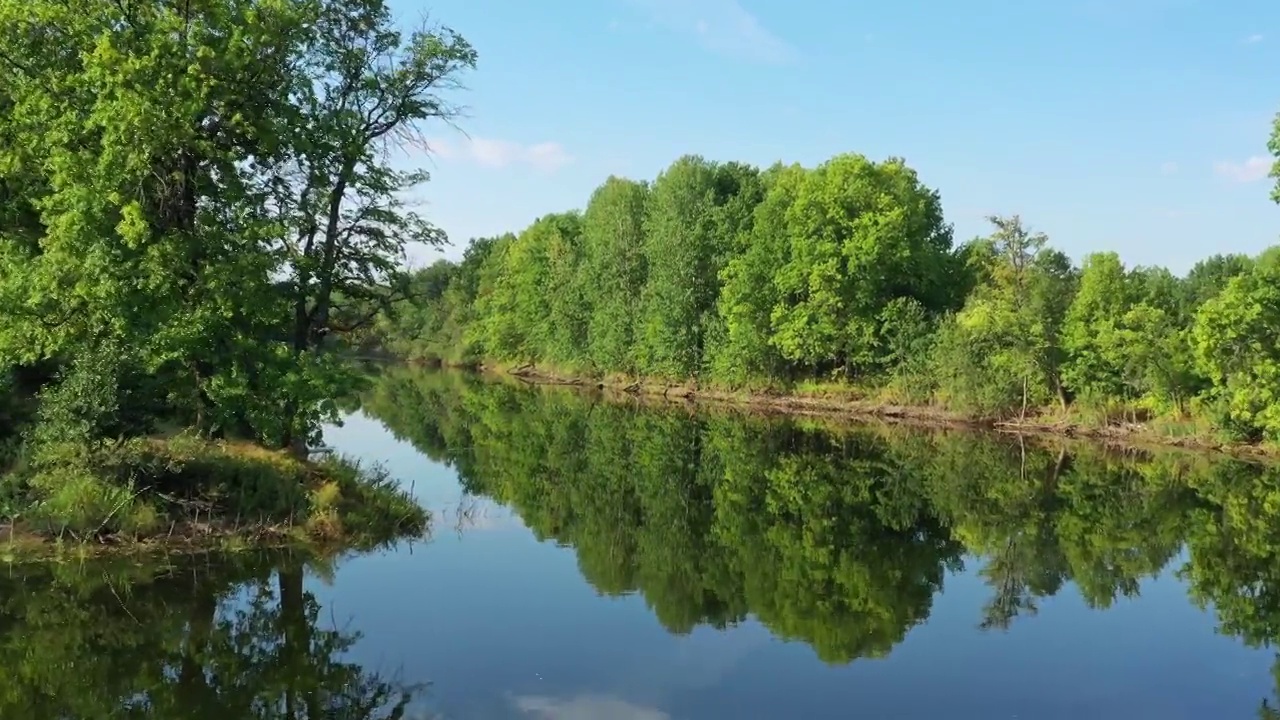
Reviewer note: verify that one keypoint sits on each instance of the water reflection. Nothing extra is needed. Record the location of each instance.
(913, 564)
(842, 537)
(235, 637)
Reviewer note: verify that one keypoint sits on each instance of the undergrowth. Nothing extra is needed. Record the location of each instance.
(185, 487)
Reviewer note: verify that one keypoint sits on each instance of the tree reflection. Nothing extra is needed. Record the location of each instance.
(838, 537)
(206, 638)
(842, 536)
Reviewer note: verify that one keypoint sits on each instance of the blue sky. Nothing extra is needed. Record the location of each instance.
(1134, 125)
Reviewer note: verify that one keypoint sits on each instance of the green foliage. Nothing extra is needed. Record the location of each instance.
(531, 307)
(1236, 336)
(1092, 333)
(416, 330)
(1211, 275)
(165, 165)
(693, 214)
(793, 278)
(614, 271)
(197, 203)
(750, 292)
(1003, 351)
(862, 234)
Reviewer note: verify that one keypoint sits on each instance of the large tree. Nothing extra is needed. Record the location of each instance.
(195, 185)
(862, 234)
(1003, 351)
(130, 146)
(750, 284)
(363, 91)
(695, 209)
(1235, 336)
(614, 270)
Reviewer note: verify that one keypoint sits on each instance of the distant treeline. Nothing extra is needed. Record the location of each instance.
(848, 271)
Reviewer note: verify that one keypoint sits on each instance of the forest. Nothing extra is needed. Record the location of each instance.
(846, 278)
(197, 207)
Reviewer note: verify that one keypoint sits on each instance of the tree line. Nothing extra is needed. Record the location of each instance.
(848, 272)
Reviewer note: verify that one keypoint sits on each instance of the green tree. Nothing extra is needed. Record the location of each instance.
(1003, 351)
(694, 212)
(415, 329)
(133, 140)
(750, 292)
(459, 303)
(363, 90)
(861, 234)
(1236, 344)
(529, 306)
(1209, 277)
(1092, 332)
(614, 270)
(208, 187)
(565, 334)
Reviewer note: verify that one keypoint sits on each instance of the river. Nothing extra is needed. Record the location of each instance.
(597, 559)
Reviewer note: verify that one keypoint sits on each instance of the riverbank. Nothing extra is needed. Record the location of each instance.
(845, 403)
(185, 494)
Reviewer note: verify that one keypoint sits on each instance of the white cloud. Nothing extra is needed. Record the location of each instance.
(490, 152)
(1168, 168)
(1253, 39)
(586, 707)
(1252, 170)
(722, 26)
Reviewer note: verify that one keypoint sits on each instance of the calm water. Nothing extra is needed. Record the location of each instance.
(593, 560)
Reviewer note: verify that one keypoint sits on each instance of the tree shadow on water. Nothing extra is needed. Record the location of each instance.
(191, 638)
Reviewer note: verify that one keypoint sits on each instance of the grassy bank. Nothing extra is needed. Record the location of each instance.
(189, 493)
(1122, 426)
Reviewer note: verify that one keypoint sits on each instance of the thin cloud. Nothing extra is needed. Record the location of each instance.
(1253, 39)
(493, 153)
(1168, 168)
(721, 26)
(1251, 170)
(585, 707)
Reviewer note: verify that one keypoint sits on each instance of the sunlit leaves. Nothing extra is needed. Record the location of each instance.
(163, 167)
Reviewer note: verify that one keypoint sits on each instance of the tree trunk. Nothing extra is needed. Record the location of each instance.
(193, 689)
(1055, 470)
(329, 252)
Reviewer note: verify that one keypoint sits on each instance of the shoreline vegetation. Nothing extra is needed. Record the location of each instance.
(201, 213)
(845, 403)
(189, 494)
